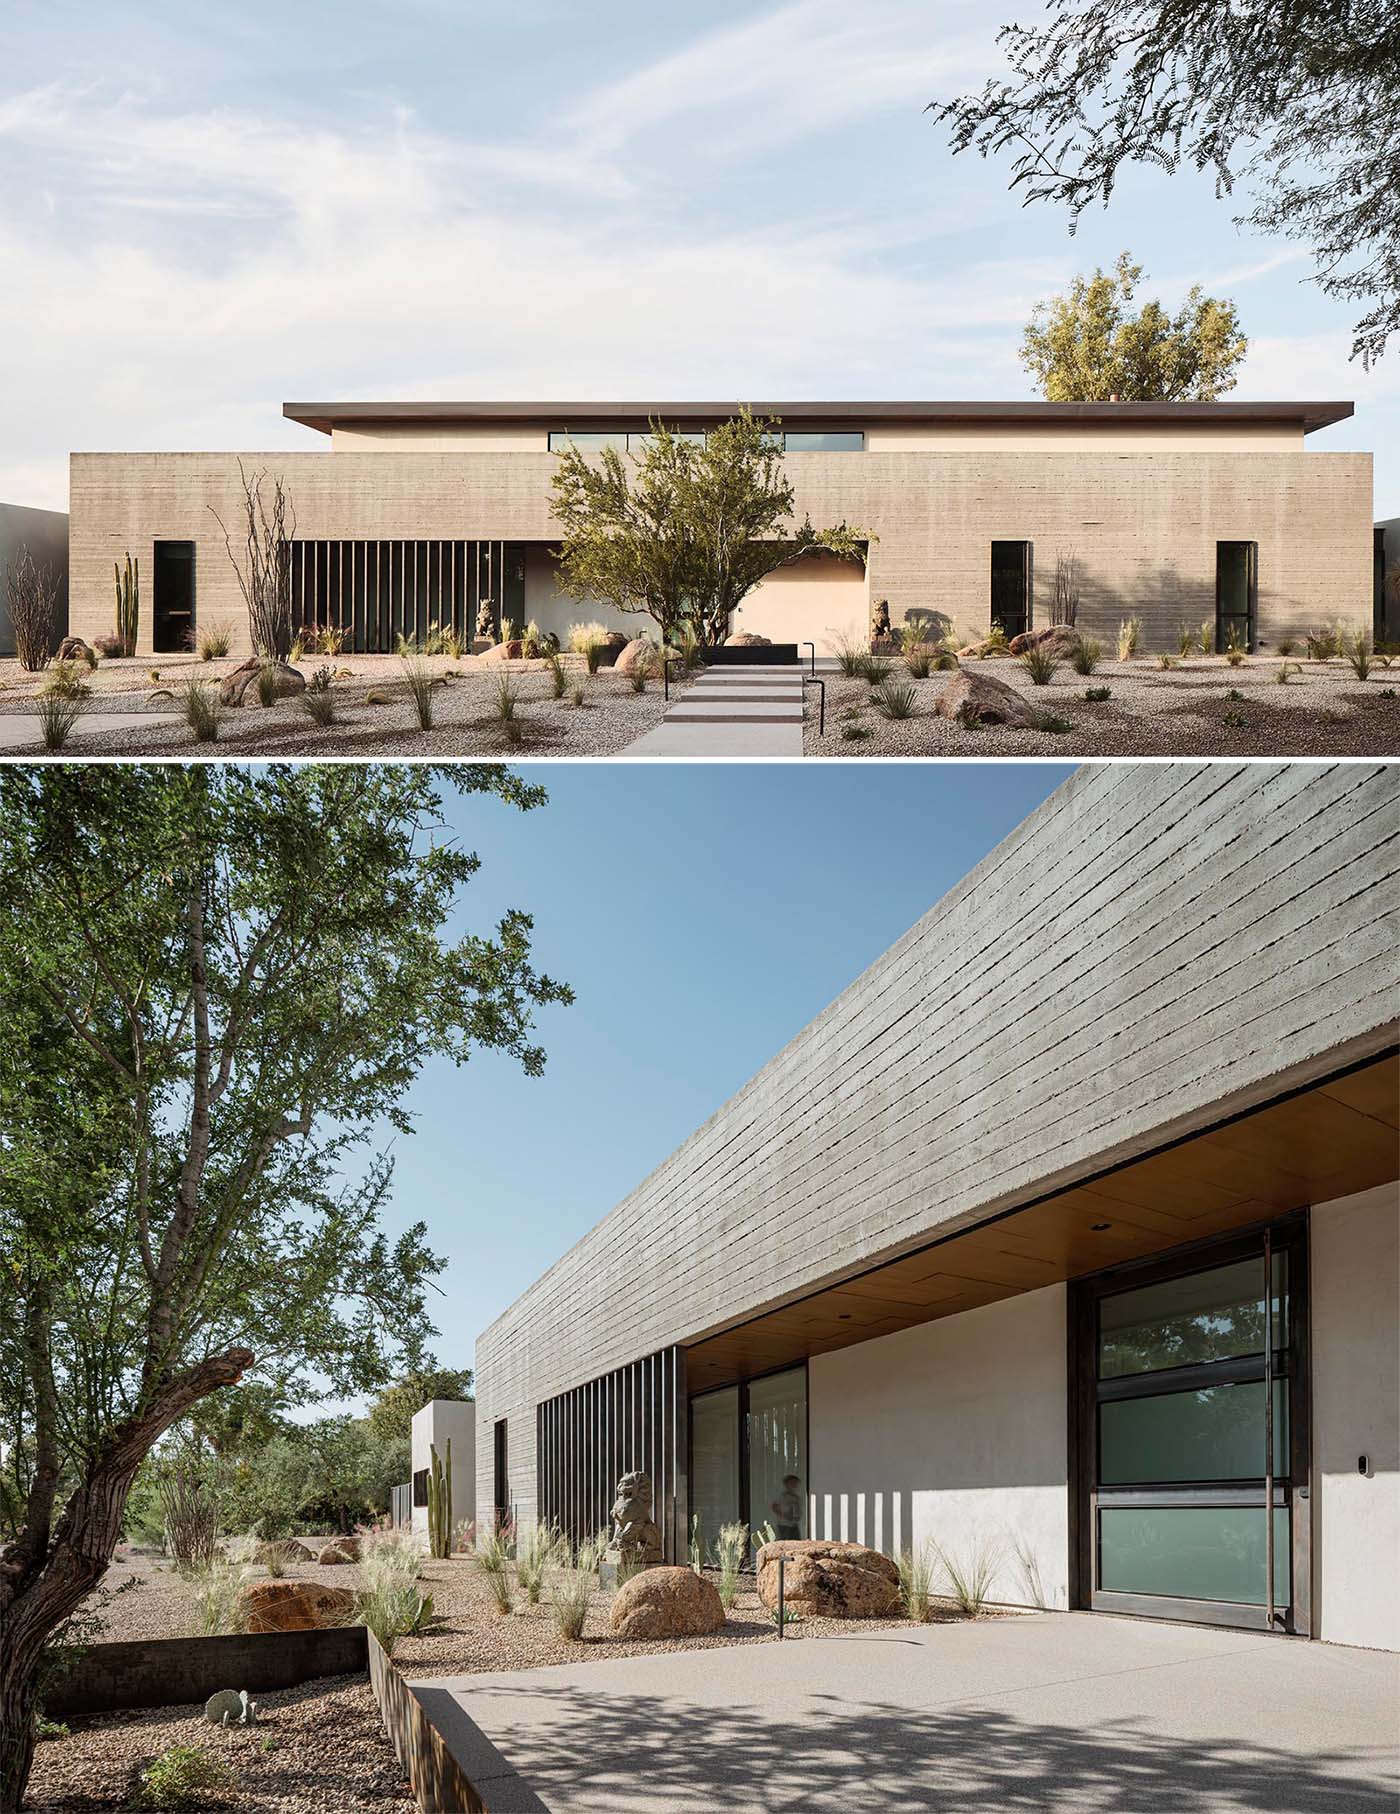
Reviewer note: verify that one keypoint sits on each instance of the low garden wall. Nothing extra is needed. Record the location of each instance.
(168, 1672)
(440, 1784)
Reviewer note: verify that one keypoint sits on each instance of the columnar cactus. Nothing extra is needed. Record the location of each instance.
(128, 603)
(440, 1501)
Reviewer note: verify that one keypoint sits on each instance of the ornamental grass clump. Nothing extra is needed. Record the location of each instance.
(850, 655)
(1040, 665)
(217, 1588)
(1357, 650)
(389, 1601)
(919, 658)
(915, 1580)
(557, 678)
(969, 1573)
(1086, 655)
(571, 1590)
(893, 698)
(1129, 637)
(201, 710)
(57, 716)
(589, 640)
(213, 640)
(492, 1557)
(418, 678)
(731, 1546)
(536, 1555)
(63, 681)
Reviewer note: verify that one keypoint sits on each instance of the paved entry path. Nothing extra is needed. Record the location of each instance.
(1063, 1711)
(744, 712)
(20, 730)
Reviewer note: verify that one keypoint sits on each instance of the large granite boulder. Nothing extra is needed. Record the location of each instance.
(1059, 639)
(497, 653)
(73, 648)
(286, 682)
(340, 1549)
(286, 1550)
(971, 697)
(667, 1603)
(828, 1580)
(295, 1605)
(746, 639)
(641, 652)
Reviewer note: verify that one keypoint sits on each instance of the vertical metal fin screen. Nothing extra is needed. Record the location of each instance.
(375, 592)
(633, 1418)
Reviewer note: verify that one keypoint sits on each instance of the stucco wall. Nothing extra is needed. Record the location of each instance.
(1157, 946)
(819, 600)
(438, 1421)
(1356, 1411)
(953, 1431)
(1143, 522)
(44, 533)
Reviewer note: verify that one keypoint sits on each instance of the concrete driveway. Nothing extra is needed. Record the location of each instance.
(1050, 1710)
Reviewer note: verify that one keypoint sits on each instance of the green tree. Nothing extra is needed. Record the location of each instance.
(1299, 101)
(692, 530)
(1090, 345)
(215, 984)
(392, 1412)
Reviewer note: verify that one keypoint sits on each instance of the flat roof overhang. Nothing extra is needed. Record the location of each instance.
(324, 416)
(1328, 1140)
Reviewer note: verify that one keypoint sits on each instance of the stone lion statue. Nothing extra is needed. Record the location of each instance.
(636, 1542)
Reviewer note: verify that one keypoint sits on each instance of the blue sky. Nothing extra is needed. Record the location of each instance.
(703, 913)
(204, 212)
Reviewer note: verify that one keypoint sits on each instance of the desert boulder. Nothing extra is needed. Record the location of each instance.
(667, 1603)
(828, 1580)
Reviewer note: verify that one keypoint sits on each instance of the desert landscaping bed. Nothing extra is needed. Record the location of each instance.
(148, 689)
(318, 1749)
(1189, 710)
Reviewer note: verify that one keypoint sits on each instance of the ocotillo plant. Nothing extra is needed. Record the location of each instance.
(128, 603)
(440, 1501)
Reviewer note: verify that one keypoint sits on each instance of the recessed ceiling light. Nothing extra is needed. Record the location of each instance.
(844, 1316)
(1098, 1227)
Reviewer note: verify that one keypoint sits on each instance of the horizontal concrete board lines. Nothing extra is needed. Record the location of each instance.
(1156, 948)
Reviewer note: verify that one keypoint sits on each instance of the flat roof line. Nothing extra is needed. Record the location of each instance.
(323, 416)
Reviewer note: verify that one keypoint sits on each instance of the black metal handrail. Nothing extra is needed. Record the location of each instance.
(815, 680)
(813, 647)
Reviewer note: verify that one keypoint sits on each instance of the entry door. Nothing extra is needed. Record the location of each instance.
(1011, 587)
(172, 598)
(1236, 594)
(1177, 1460)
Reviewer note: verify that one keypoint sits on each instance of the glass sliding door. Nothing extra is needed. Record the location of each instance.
(1191, 1409)
(714, 1463)
(748, 1457)
(777, 1439)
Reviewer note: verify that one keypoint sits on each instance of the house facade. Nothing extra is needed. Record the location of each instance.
(433, 1426)
(1075, 1247)
(417, 514)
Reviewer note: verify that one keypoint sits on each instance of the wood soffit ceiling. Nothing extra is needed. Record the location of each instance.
(1330, 1141)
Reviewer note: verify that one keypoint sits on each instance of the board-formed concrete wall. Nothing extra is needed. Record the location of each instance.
(953, 1432)
(1143, 523)
(1156, 946)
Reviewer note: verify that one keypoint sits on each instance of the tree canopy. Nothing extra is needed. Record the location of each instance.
(694, 527)
(1297, 102)
(1090, 345)
(216, 984)
(392, 1411)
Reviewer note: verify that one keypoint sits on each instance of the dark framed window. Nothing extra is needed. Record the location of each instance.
(500, 1472)
(824, 440)
(420, 1487)
(1236, 595)
(1190, 1434)
(1011, 587)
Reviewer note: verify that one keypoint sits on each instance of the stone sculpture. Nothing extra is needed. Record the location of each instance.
(636, 1542)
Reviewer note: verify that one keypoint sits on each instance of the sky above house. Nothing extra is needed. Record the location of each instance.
(204, 212)
(703, 914)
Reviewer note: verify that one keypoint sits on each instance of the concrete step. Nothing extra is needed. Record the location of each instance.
(721, 712)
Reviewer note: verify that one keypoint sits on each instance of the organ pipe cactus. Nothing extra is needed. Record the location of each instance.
(440, 1501)
(128, 603)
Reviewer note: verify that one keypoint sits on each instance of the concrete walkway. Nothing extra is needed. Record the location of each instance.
(1052, 1710)
(731, 712)
(20, 730)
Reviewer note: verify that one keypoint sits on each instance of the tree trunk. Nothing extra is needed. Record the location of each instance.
(38, 1594)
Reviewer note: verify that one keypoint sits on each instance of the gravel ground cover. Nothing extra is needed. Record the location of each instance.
(611, 716)
(1185, 711)
(317, 1749)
